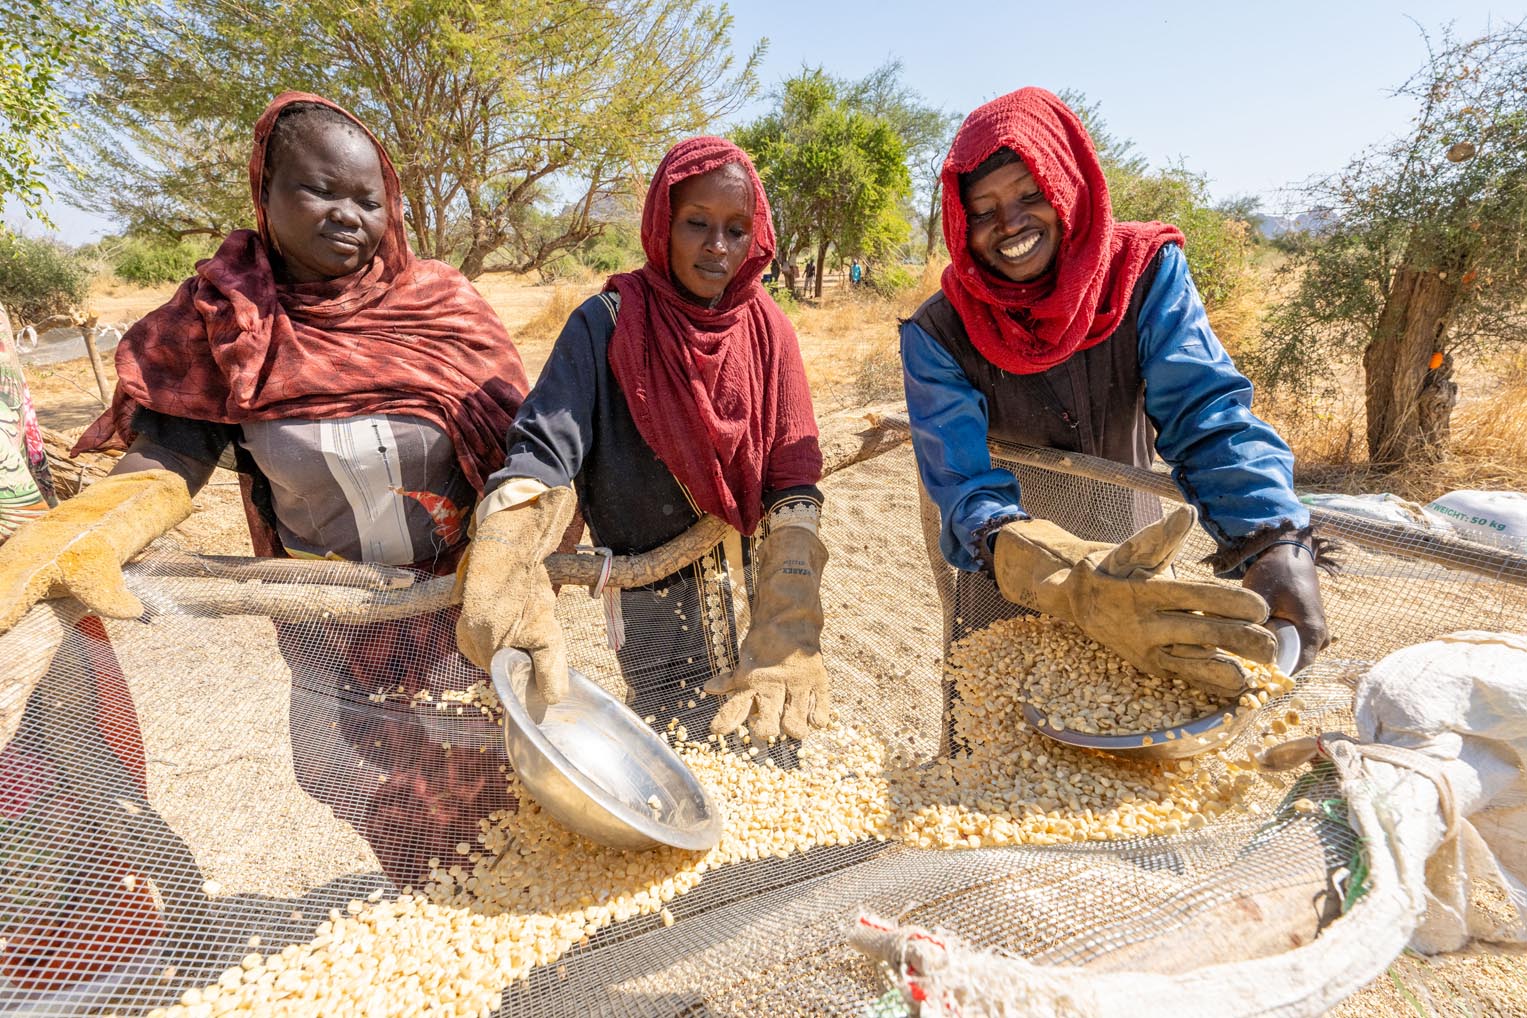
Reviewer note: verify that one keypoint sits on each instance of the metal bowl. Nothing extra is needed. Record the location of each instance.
(597, 768)
(1179, 741)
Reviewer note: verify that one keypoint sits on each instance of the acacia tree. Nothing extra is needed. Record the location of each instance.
(511, 121)
(1421, 254)
(925, 133)
(835, 174)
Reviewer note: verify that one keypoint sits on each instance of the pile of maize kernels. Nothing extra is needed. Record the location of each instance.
(1081, 686)
(529, 890)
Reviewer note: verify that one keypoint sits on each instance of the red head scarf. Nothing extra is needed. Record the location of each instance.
(1026, 328)
(719, 393)
(401, 336)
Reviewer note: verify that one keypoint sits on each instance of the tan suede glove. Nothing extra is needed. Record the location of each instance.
(780, 682)
(78, 548)
(506, 595)
(1126, 599)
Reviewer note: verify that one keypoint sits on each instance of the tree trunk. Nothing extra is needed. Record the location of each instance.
(935, 220)
(484, 239)
(821, 267)
(472, 263)
(1439, 394)
(1416, 313)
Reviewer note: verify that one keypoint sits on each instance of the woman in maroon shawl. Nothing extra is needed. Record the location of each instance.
(361, 393)
(676, 392)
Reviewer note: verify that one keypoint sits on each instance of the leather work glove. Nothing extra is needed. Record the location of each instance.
(78, 548)
(506, 594)
(780, 682)
(1285, 577)
(1126, 598)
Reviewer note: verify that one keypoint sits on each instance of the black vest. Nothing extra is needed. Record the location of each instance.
(1092, 403)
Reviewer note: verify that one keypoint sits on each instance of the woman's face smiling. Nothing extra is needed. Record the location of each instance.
(326, 204)
(712, 231)
(1010, 226)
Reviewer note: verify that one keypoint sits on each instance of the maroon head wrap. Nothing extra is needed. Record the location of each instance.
(719, 393)
(1026, 328)
(400, 336)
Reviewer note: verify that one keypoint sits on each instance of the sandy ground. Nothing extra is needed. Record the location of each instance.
(193, 765)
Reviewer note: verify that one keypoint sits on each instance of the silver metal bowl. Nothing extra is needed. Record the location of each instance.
(597, 768)
(1179, 741)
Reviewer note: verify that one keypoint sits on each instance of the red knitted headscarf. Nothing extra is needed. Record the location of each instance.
(1026, 328)
(401, 336)
(719, 393)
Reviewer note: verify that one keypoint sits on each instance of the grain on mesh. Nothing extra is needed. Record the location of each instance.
(530, 890)
(1082, 686)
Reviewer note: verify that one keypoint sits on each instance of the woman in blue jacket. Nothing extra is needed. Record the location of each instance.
(1057, 326)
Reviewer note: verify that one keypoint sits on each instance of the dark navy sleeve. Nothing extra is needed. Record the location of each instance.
(554, 429)
(200, 441)
(1228, 462)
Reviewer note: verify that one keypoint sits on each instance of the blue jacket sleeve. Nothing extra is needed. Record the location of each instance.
(949, 422)
(1229, 463)
(554, 428)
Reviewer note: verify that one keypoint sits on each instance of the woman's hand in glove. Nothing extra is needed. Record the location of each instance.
(1285, 577)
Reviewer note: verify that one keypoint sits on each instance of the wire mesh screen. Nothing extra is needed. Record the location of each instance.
(304, 814)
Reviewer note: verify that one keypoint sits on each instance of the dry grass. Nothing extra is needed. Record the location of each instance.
(1237, 320)
(1487, 448)
(927, 284)
(545, 325)
(849, 342)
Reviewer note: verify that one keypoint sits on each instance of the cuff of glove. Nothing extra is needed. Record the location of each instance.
(517, 491)
(795, 511)
(984, 537)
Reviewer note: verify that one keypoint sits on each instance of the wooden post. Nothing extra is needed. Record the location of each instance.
(88, 330)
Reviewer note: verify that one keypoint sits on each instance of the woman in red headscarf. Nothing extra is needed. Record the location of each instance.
(677, 391)
(1057, 326)
(362, 395)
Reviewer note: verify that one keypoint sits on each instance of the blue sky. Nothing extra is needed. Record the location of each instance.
(1254, 95)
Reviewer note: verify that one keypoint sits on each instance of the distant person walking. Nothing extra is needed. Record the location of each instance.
(855, 273)
(811, 272)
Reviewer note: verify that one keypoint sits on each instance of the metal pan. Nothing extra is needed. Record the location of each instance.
(597, 768)
(1179, 741)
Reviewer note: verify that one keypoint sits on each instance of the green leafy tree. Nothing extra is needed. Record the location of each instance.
(835, 174)
(1216, 237)
(511, 121)
(37, 46)
(925, 132)
(1420, 254)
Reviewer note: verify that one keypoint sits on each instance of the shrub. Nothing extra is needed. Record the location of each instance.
(785, 299)
(1217, 243)
(617, 249)
(878, 378)
(149, 261)
(564, 268)
(891, 281)
(39, 278)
